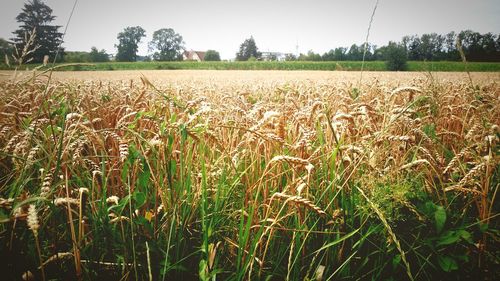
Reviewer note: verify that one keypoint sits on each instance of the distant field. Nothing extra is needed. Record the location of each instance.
(294, 65)
(277, 77)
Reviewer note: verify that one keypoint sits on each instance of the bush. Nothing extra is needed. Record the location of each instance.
(212, 55)
(396, 57)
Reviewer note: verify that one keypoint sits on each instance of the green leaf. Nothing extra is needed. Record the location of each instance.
(143, 179)
(464, 234)
(447, 263)
(184, 133)
(337, 241)
(440, 218)
(396, 261)
(483, 227)
(448, 237)
(125, 169)
(139, 198)
(430, 130)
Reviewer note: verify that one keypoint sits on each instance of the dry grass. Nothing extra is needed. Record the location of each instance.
(264, 77)
(271, 150)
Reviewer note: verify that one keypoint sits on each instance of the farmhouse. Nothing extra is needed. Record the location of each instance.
(193, 55)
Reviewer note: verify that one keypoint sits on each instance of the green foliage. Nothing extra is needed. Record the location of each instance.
(93, 56)
(6, 49)
(212, 55)
(75, 57)
(247, 50)
(128, 41)
(37, 16)
(98, 56)
(440, 218)
(287, 65)
(167, 45)
(396, 57)
(311, 56)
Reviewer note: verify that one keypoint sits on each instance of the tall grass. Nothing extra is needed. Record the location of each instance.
(234, 181)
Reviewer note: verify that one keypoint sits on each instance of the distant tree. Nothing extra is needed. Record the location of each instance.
(396, 57)
(450, 46)
(414, 49)
(379, 53)
(76, 57)
(212, 55)
(5, 49)
(328, 56)
(369, 54)
(486, 49)
(355, 52)
(128, 43)
(290, 57)
(168, 45)
(36, 17)
(310, 56)
(340, 53)
(98, 56)
(248, 49)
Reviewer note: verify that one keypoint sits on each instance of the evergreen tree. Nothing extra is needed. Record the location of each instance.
(36, 17)
(248, 49)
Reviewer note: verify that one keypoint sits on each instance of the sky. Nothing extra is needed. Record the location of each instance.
(276, 25)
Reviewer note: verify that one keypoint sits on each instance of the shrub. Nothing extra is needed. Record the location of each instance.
(212, 55)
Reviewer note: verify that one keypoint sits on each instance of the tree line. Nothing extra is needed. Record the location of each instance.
(431, 47)
(37, 39)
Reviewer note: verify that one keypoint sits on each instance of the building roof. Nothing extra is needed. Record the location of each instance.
(189, 54)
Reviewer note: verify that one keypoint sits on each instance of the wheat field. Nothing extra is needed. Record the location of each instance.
(249, 175)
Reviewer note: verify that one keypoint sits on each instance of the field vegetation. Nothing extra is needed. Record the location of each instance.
(298, 180)
(269, 65)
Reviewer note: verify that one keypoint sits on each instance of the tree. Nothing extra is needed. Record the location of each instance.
(76, 57)
(212, 55)
(98, 56)
(36, 18)
(450, 43)
(290, 57)
(396, 57)
(340, 53)
(168, 45)
(5, 49)
(329, 56)
(355, 52)
(248, 49)
(129, 40)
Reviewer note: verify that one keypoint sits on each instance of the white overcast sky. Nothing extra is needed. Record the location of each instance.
(276, 25)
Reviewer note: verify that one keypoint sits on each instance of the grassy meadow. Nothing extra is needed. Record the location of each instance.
(297, 179)
(272, 65)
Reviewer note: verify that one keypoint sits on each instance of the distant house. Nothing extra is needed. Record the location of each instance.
(273, 56)
(193, 55)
